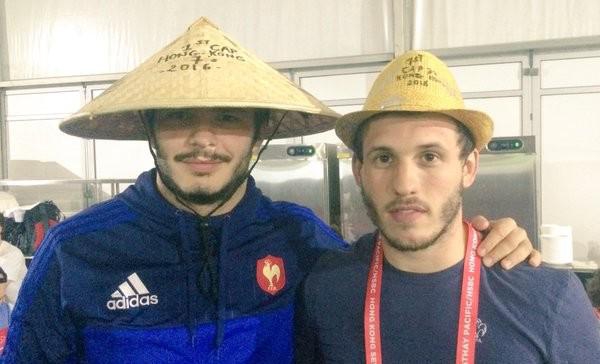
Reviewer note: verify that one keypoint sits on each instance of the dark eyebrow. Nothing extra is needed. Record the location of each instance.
(386, 149)
(174, 114)
(431, 146)
(382, 148)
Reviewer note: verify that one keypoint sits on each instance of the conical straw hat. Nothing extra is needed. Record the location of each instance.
(203, 68)
(416, 81)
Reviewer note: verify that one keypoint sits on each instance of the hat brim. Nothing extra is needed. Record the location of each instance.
(127, 125)
(479, 124)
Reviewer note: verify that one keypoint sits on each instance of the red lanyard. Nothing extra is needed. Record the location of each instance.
(469, 303)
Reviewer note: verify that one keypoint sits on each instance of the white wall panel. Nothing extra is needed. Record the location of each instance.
(51, 38)
(504, 111)
(570, 155)
(488, 77)
(575, 72)
(39, 150)
(461, 23)
(59, 102)
(337, 87)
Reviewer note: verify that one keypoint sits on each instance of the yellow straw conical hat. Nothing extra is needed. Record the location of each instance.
(203, 68)
(416, 81)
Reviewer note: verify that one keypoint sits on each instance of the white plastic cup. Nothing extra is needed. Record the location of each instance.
(553, 229)
(556, 244)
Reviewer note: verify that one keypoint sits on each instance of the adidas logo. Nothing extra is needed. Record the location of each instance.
(131, 294)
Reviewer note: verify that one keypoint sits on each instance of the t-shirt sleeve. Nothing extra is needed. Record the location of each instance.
(575, 336)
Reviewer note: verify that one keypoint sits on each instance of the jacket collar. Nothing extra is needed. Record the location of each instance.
(146, 200)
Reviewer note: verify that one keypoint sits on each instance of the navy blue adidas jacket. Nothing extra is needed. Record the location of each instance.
(123, 282)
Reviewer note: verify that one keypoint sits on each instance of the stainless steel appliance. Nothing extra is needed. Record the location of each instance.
(354, 219)
(505, 186)
(305, 174)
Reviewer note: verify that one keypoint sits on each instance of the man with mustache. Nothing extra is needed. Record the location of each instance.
(192, 264)
(414, 291)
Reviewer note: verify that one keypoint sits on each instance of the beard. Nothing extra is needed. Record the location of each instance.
(203, 196)
(449, 211)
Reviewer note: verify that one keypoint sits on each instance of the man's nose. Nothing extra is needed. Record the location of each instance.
(201, 135)
(405, 178)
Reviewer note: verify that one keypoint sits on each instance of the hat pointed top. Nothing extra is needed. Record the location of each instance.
(202, 22)
(203, 68)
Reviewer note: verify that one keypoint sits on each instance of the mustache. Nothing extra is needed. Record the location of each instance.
(400, 203)
(206, 153)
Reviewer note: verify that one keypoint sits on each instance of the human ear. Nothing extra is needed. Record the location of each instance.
(470, 168)
(356, 168)
(256, 146)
